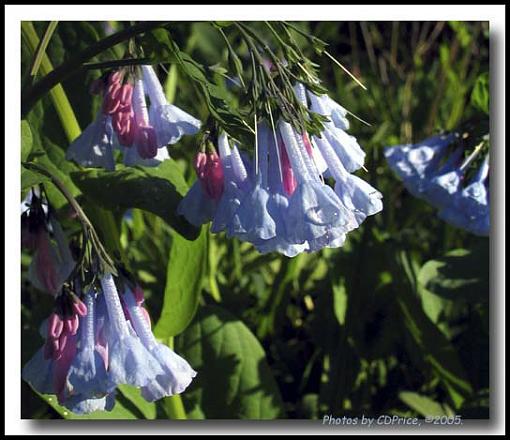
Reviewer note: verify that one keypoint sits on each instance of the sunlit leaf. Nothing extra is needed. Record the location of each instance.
(186, 268)
(423, 405)
(157, 190)
(234, 380)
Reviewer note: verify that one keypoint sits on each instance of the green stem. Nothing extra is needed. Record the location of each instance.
(175, 407)
(54, 77)
(57, 94)
(41, 50)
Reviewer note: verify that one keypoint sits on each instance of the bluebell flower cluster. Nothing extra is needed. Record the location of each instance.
(94, 345)
(279, 200)
(435, 171)
(127, 124)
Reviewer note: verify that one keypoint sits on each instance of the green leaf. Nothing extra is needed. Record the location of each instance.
(234, 380)
(30, 178)
(148, 409)
(481, 94)
(422, 404)
(26, 140)
(121, 410)
(460, 275)
(185, 270)
(157, 190)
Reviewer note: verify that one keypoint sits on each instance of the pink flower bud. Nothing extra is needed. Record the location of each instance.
(62, 342)
(118, 121)
(126, 93)
(199, 164)
(289, 180)
(145, 137)
(72, 324)
(79, 307)
(115, 77)
(210, 172)
(111, 101)
(55, 326)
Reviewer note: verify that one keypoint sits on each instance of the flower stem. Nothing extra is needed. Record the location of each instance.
(175, 407)
(41, 50)
(57, 94)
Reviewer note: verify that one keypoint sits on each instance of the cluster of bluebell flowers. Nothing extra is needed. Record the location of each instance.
(436, 171)
(101, 340)
(127, 123)
(279, 200)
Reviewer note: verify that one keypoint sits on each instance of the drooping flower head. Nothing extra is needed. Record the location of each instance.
(279, 200)
(435, 171)
(101, 341)
(127, 123)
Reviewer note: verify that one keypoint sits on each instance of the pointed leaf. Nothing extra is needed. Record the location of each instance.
(234, 380)
(422, 404)
(186, 268)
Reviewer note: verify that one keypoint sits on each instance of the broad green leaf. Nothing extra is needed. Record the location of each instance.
(157, 190)
(26, 140)
(185, 270)
(460, 275)
(234, 380)
(421, 404)
(119, 412)
(148, 409)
